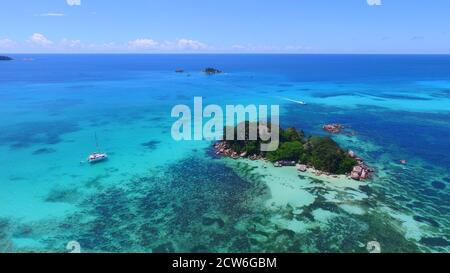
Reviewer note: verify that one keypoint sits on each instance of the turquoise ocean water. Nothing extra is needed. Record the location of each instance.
(158, 195)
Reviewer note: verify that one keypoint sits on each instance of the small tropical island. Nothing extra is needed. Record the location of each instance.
(5, 58)
(211, 71)
(319, 153)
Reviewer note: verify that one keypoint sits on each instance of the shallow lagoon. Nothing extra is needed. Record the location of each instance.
(155, 194)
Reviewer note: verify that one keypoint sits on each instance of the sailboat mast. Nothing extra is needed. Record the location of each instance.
(96, 141)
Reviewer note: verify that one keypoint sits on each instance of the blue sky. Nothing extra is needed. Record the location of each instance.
(207, 26)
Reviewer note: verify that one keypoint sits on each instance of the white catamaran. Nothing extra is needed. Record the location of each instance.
(97, 156)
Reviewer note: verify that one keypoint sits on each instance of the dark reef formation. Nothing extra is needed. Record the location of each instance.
(44, 151)
(151, 145)
(187, 207)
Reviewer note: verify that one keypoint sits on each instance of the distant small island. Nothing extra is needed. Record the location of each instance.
(296, 149)
(5, 58)
(211, 71)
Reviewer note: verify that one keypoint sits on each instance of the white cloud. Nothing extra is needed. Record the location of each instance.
(40, 40)
(239, 47)
(296, 48)
(269, 48)
(52, 14)
(177, 45)
(73, 2)
(6, 43)
(143, 44)
(190, 44)
(71, 43)
(40, 43)
(374, 2)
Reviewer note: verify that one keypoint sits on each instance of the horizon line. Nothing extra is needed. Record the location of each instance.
(211, 53)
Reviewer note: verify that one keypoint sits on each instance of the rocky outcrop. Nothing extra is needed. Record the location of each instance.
(222, 148)
(334, 128)
(302, 167)
(360, 171)
(351, 154)
(5, 58)
(211, 71)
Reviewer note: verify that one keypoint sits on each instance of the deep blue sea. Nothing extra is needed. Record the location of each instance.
(158, 195)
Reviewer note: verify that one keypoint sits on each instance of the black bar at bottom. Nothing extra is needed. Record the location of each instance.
(221, 262)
